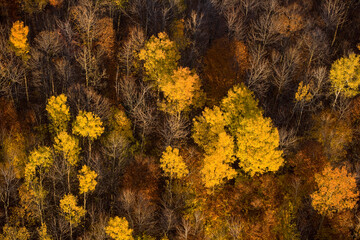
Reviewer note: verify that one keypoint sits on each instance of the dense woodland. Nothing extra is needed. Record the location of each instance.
(179, 119)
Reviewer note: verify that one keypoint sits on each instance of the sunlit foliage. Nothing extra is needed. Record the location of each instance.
(71, 211)
(18, 39)
(67, 146)
(118, 229)
(345, 75)
(87, 124)
(336, 192)
(87, 179)
(160, 56)
(58, 113)
(173, 164)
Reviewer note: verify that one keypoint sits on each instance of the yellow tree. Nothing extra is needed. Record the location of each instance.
(71, 211)
(181, 90)
(68, 147)
(14, 233)
(345, 76)
(217, 162)
(87, 181)
(88, 125)
(118, 229)
(256, 140)
(209, 133)
(173, 164)
(40, 160)
(43, 234)
(59, 113)
(207, 128)
(336, 191)
(18, 39)
(257, 146)
(160, 56)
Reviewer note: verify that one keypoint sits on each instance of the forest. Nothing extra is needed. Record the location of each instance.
(179, 119)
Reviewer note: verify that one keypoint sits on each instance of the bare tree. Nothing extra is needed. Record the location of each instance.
(175, 129)
(86, 19)
(334, 14)
(140, 211)
(259, 71)
(87, 99)
(284, 66)
(138, 101)
(263, 30)
(8, 186)
(46, 49)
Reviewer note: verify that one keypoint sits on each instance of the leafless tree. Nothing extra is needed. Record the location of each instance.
(317, 45)
(334, 14)
(126, 56)
(263, 29)
(46, 49)
(153, 15)
(284, 66)
(259, 71)
(87, 99)
(86, 18)
(140, 211)
(8, 186)
(175, 129)
(136, 99)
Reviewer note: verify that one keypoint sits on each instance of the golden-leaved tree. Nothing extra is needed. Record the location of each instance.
(71, 211)
(18, 39)
(68, 147)
(345, 76)
(173, 164)
(160, 56)
(180, 86)
(118, 229)
(40, 160)
(256, 139)
(58, 112)
(88, 125)
(336, 191)
(236, 131)
(87, 181)
(209, 133)
(181, 90)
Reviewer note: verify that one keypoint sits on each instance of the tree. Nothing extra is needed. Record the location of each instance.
(87, 181)
(207, 128)
(173, 164)
(72, 213)
(160, 56)
(18, 39)
(40, 160)
(88, 125)
(59, 113)
(336, 191)
(345, 76)
(43, 234)
(20, 45)
(255, 147)
(217, 162)
(32, 6)
(68, 147)
(14, 233)
(181, 90)
(118, 229)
